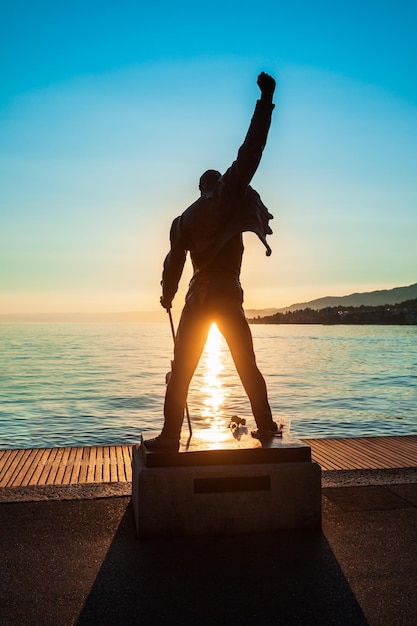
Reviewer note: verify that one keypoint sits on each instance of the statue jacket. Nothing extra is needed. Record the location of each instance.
(211, 228)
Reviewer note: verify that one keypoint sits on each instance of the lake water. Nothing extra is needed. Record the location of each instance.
(101, 384)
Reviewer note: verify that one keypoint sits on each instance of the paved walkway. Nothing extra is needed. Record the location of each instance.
(79, 562)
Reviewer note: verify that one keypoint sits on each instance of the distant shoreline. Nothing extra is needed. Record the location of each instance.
(402, 314)
(392, 314)
(384, 298)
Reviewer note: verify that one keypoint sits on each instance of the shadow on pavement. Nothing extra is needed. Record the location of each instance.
(281, 578)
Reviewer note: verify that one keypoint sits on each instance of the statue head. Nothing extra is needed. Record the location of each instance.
(208, 180)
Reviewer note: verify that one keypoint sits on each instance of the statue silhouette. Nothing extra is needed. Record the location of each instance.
(211, 230)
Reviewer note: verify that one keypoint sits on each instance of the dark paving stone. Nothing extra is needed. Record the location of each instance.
(377, 551)
(372, 498)
(408, 492)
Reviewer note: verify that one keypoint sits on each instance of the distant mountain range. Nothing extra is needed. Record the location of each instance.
(369, 298)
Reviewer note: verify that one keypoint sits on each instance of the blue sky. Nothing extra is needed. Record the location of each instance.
(109, 112)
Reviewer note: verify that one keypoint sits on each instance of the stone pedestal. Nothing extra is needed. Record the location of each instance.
(242, 487)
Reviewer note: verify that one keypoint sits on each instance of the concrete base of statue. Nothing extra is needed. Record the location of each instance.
(235, 485)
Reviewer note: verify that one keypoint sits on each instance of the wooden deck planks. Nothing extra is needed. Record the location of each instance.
(66, 477)
(394, 453)
(47, 464)
(98, 470)
(85, 462)
(13, 466)
(365, 452)
(26, 467)
(91, 468)
(106, 464)
(62, 468)
(113, 464)
(76, 466)
(5, 462)
(110, 464)
(120, 466)
(127, 457)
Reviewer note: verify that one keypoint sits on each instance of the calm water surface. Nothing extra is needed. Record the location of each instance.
(89, 384)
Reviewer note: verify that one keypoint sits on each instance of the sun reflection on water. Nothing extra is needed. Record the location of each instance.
(213, 394)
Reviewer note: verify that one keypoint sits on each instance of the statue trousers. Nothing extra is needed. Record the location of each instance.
(193, 329)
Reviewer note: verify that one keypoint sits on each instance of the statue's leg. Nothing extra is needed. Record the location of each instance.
(234, 327)
(190, 340)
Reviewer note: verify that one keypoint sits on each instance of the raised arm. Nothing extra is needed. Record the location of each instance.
(250, 153)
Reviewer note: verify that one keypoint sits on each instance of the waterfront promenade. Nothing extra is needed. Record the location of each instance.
(78, 561)
(48, 467)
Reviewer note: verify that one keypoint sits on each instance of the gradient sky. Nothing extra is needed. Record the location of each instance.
(110, 111)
